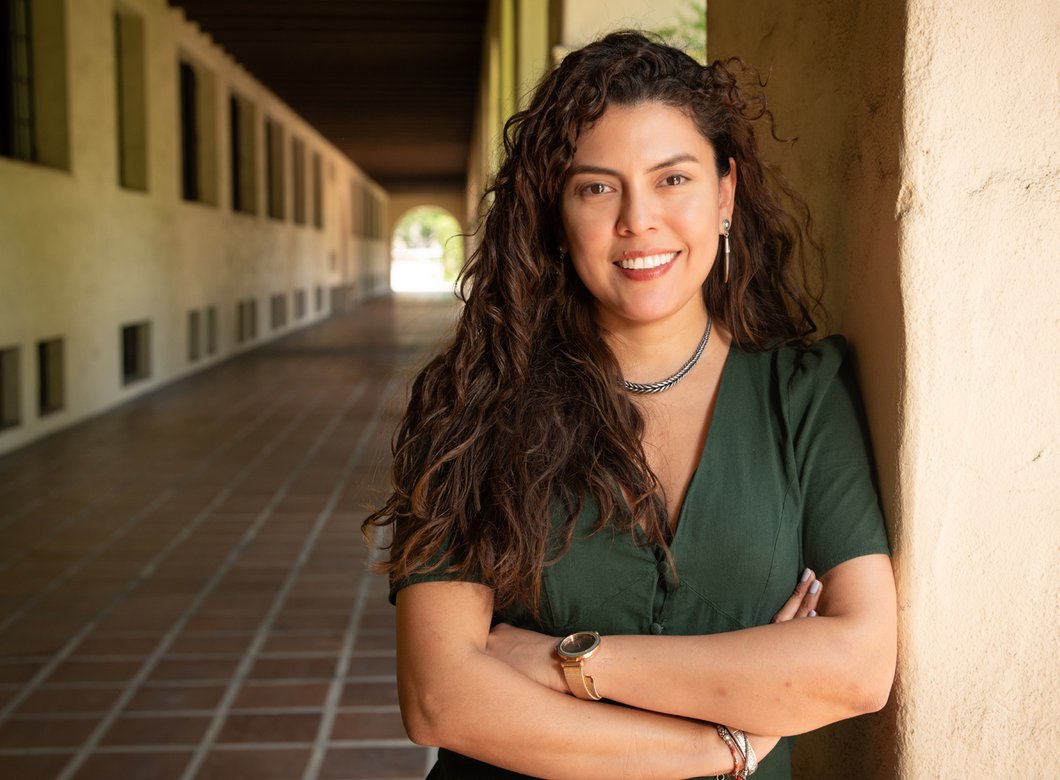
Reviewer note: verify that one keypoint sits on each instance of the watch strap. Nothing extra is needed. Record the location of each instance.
(579, 683)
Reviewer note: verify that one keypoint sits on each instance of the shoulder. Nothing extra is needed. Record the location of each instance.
(816, 364)
(802, 380)
(802, 370)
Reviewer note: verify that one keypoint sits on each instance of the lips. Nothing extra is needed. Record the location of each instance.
(646, 262)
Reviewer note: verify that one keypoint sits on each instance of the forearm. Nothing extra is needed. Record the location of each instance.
(784, 678)
(494, 714)
(777, 679)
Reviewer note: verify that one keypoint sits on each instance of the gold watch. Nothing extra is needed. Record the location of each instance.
(573, 652)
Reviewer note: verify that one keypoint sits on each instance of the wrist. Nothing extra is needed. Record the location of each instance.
(575, 652)
(713, 758)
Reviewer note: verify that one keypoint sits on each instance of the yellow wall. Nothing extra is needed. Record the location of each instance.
(927, 151)
(79, 255)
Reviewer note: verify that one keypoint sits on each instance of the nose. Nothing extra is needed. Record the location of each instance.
(637, 214)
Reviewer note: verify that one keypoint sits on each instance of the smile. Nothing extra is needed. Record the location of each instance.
(643, 263)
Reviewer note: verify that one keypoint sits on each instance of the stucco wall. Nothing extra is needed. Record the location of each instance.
(980, 480)
(927, 151)
(79, 255)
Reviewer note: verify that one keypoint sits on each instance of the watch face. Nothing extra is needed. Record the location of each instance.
(579, 643)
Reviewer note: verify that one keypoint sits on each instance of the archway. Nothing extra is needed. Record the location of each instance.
(426, 251)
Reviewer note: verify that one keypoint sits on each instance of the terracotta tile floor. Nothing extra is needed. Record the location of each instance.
(183, 586)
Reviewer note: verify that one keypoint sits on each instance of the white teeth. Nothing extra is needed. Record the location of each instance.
(652, 261)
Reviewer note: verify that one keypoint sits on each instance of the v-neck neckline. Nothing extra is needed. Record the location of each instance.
(723, 383)
(715, 419)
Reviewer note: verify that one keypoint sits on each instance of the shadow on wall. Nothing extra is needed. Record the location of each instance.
(835, 78)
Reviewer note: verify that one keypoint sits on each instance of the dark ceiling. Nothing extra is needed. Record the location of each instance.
(392, 83)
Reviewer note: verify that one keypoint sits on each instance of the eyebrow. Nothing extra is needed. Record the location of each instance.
(600, 171)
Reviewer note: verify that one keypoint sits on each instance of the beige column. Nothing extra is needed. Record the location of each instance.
(927, 149)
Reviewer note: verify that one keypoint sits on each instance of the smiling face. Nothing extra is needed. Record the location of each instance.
(642, 211)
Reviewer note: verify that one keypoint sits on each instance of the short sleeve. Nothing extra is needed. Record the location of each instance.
(435, 570)
(841, 516)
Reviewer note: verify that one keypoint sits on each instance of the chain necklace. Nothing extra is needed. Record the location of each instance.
(666, 384)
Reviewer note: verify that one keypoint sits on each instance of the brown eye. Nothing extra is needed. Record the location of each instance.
(674, 179)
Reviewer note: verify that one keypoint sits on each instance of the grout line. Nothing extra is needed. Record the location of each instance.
(431, 760)
(151, 566)
(224, 746)
(228, 747)
(334, 696)
(212, 731)
(229, 413)
(123, 529)
(211, 584)
(288, 518)
(206, 712)
(259, 640)
(73, 569)
(132, 479)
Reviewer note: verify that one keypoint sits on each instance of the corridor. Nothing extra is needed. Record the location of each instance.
(183, 585)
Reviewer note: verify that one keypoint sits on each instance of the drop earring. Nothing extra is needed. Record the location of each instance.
(725, 225)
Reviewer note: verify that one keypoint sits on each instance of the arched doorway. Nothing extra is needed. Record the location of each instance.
(426, 251)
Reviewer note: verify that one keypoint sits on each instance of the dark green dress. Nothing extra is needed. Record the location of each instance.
(785, 481)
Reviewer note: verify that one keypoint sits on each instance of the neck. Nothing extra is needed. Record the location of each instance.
(650, 351)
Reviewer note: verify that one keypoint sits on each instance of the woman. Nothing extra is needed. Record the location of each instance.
(630, 435)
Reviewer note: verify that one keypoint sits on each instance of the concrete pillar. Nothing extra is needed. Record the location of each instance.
(927, 150)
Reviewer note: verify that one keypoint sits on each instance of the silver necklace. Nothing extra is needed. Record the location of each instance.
(666, 384)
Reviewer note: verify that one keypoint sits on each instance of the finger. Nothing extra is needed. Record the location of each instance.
(808, 607)
(792, 605)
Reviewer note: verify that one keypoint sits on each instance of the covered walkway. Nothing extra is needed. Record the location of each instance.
(183, 585)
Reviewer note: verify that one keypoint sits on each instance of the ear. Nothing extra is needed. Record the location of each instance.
(727, 193)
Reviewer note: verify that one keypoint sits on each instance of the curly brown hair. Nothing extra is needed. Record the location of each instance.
(522, 417)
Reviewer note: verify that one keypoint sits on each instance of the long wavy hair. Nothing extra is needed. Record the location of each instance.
(523, 416)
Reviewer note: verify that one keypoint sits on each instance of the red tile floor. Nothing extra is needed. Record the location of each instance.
(183, 584)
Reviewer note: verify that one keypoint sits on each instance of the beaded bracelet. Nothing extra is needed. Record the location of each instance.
(730, 743)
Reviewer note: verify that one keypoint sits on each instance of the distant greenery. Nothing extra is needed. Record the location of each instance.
(429, 226)
(690, 32)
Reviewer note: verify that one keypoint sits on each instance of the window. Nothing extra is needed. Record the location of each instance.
(299, 304)
(356, 208)
(243, 154)
(194, 330)
(198, 157)
(366, 212)
(274, 168)
(33, 111)
(211, 330)
(318, 193)
(319, 295)
(131, 105)
(246, 320)
(16, 81)
(10, 395)
(135, 352)
(278, 305)
(189, 132)
(298, 158)
(368, 218)
(50, 390)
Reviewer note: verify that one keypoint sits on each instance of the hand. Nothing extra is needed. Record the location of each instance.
(529, 653)
(803, 602)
